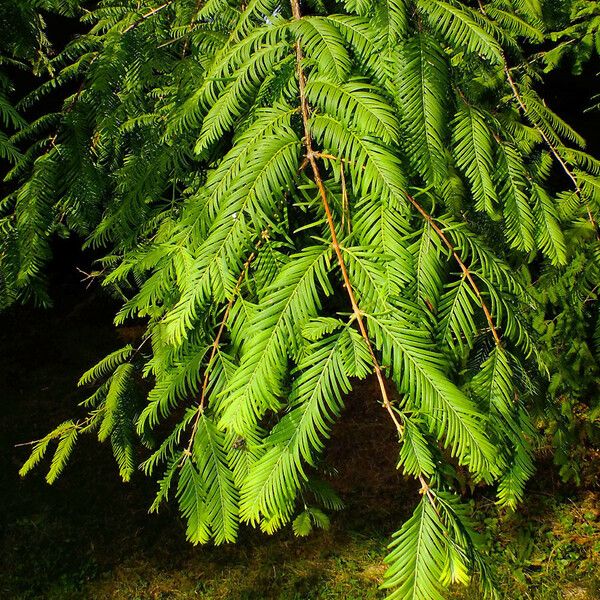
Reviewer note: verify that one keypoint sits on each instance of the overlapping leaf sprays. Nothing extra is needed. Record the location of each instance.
(295, 195)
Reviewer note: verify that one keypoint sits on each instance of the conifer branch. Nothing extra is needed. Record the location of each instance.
(461, 264)
(216, 121)
(215, 348)
(565, 167)
(311, 156)
(551, 146)
(466, 272)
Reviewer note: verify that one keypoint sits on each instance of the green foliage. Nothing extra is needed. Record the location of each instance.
(435, 547)
(292, 197)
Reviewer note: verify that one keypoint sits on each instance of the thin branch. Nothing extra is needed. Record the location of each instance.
(461, 264)
(80, 425)
(466, 272)
(311, 155)
(547, 140)
(215, 347)
(190, 28)
(426, 490)
(553, 149)
(148, 15)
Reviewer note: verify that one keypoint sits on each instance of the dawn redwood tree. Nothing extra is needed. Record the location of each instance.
(293, 195)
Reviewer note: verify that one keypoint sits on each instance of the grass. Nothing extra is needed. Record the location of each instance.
(89, 535)
(329, 565)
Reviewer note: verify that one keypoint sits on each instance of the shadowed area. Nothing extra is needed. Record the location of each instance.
(90, 536)
(89, 526)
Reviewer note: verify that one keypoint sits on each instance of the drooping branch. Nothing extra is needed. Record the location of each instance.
(311, 156)
(553, 149)
(551, 146)
(215, 348)
(463, 267)
(466, 272)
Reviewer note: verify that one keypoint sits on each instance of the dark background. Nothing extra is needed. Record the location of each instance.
(56, 539)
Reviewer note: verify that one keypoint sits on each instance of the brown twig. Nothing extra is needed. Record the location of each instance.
(311, 156)
(426, 490)
(191, 27)
(331, 157)
(215, 347)
(461, 264)
(148, 15)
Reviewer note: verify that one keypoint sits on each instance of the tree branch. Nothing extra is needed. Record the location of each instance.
(311, 155)
(547, 140)
(215, 348)
(148, 15)
(466, 272)
(461, 264)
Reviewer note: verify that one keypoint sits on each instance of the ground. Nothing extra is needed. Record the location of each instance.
(90, 536)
